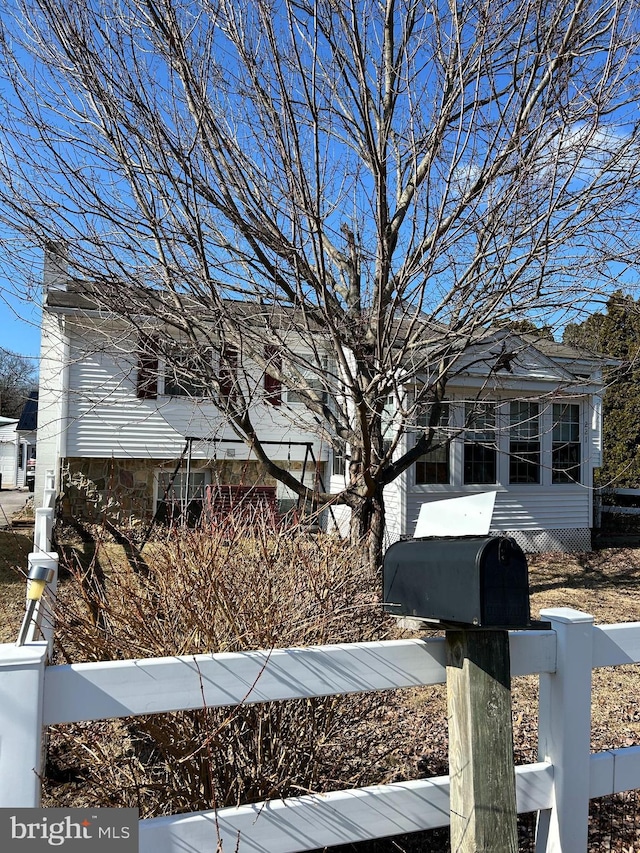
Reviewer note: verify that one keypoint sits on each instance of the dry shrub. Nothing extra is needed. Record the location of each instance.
(223, 589)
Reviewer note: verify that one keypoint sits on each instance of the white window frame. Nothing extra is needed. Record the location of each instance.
(158, 491)
(580, 443)
(525, 430)
(163, 370)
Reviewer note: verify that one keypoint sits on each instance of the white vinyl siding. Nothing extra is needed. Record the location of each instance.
(542, 509)
(107, 419)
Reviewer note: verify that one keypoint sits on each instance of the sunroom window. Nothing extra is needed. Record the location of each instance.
(433, 467)
(524, 442)
(566, 452)
(480, 454)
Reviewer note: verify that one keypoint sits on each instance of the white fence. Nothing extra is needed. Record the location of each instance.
(34, 695)
(601, 507)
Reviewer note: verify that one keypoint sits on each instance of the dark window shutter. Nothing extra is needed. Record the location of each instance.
(147, 380)
(272, 385)
(228, 369)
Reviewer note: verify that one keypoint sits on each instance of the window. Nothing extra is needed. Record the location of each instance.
(308, 379)
(433, 466)
(339, 461)
(387, 425)
(185, 373)
(147, 378)
(524, 442)
(180, 498)
(480, 444)
(566, 455)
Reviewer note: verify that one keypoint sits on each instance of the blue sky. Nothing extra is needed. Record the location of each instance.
(19, 324)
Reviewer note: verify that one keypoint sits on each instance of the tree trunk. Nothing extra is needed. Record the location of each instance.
(367, 526)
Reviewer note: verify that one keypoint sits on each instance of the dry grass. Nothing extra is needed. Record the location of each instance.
(15, 546)
(606, 584)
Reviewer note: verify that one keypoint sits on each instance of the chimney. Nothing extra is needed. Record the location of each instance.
(56, 275)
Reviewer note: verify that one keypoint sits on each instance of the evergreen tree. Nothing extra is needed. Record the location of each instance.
(616, 333)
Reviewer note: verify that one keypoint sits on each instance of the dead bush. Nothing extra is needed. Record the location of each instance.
(230, 588)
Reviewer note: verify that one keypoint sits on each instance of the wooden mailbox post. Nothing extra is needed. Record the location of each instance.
(481, 773)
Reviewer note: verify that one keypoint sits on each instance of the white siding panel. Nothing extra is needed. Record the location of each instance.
(121, 433)
(539, 509)
(106, 419)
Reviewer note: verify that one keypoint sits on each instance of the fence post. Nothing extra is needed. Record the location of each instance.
(21, 737)
(565, 732)
(482, 777)
(43, 529)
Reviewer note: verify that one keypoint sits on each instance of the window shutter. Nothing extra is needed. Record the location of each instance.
(272, 385)
(228, 369)
(147, 379)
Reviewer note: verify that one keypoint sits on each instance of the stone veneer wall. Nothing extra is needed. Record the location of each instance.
(125, 486)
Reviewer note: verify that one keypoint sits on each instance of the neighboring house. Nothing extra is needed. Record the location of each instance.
(26, 431)
(8, 452)
(115, 422)
(18, 445)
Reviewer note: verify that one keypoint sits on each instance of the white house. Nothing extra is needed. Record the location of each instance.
(8, 452)
(18, 445)
(528, 427)
(531, 431)
(113, 418)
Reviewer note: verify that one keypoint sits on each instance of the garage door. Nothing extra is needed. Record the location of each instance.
(8, 464)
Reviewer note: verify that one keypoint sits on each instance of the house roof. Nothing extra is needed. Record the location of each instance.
(29, 417)
(86, 297)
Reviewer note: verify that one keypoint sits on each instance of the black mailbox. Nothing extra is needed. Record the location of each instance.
(471, 581)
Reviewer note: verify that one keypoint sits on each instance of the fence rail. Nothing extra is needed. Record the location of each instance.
(34, 695)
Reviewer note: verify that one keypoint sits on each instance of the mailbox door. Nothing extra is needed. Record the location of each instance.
(504, 581)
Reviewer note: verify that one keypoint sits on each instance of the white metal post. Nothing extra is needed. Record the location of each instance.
(49, 498)
(564, 732)
(21, 739)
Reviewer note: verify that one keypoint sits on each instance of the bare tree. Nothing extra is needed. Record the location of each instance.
(17, 379)
(397, 175)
